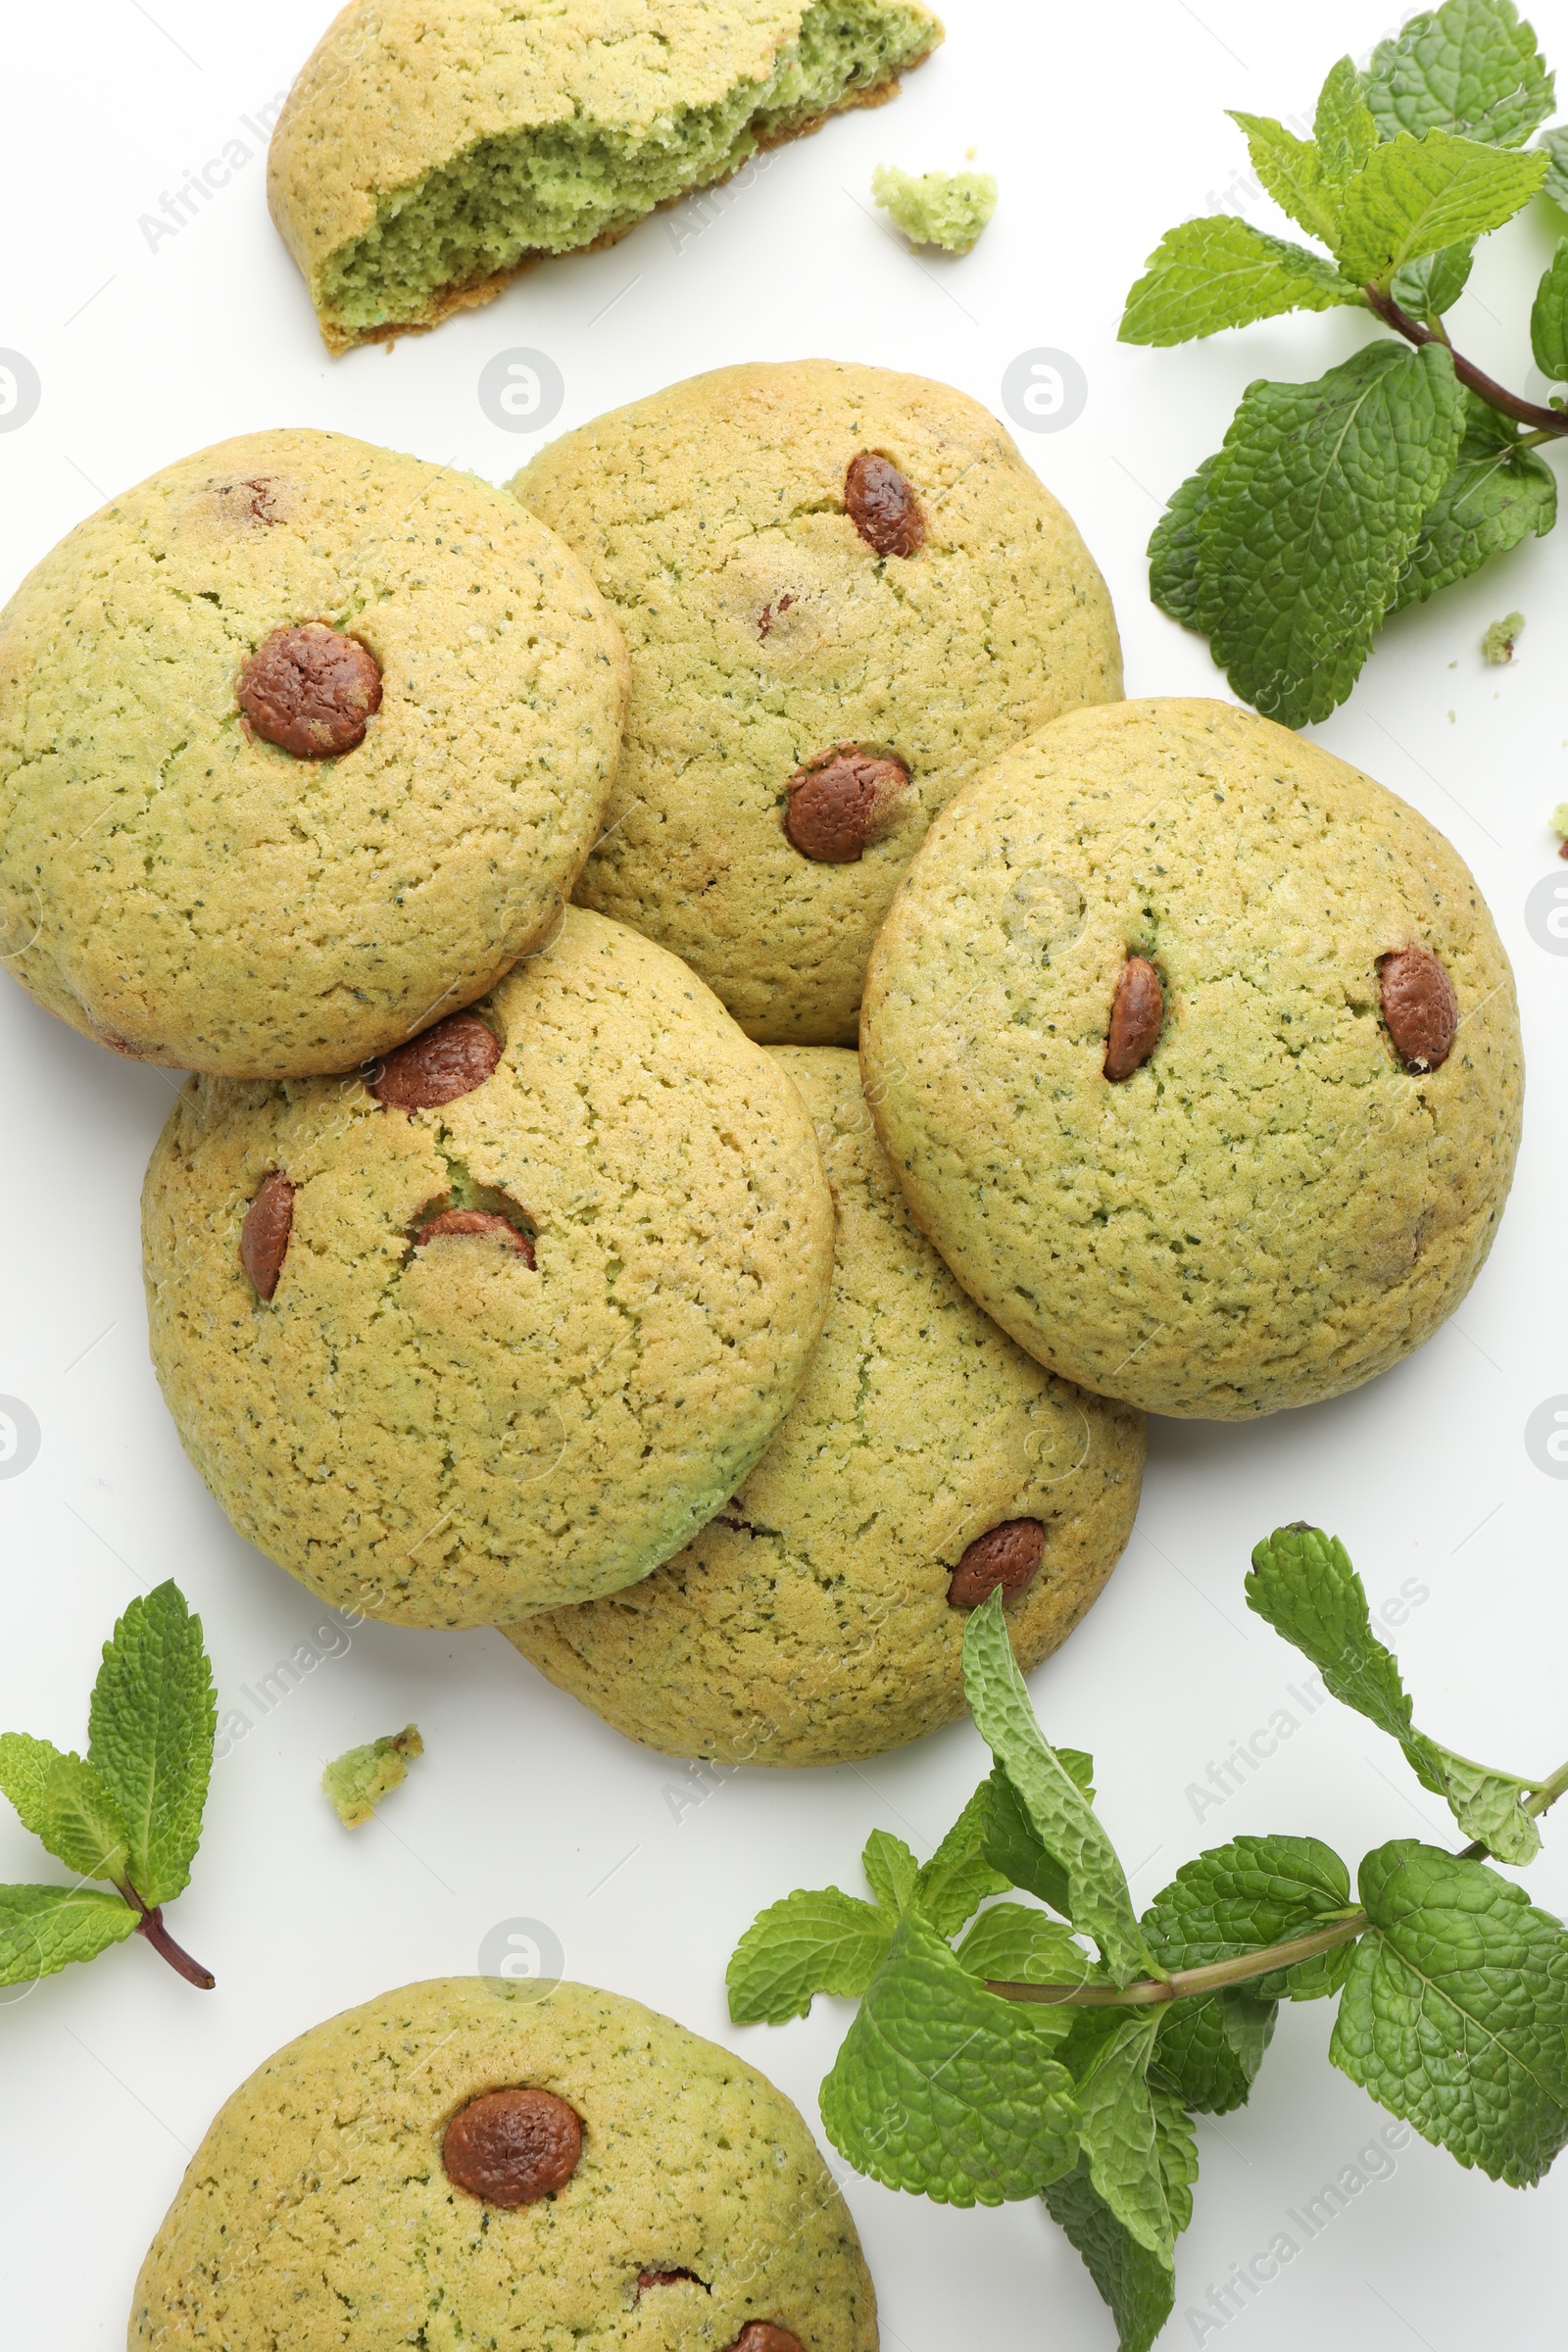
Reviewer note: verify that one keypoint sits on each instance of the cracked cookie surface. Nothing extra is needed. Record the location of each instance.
(450, 1418)
(191, 893)
(811, 1621)
(1272, 1207)
(765, 630)
(318, 2211)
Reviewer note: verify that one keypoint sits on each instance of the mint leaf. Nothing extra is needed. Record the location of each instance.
(1292, 171)
(24, 1768)
(958, 1878)
(1130, 2156)
(1013, 1945)
(1211, 2045)
(946, 2090)
(1173, 550)
(1488, 1808)
(1455, 2014)
(1054, 1806)
(1554, 146)
(1344, 129)
(811, 1943)
(1312, 511)
(1138, 2287)
(1414, 196)
(891, 1871)
(1217, 273)
(1254, 1891)
(80, 1822)
(1470, 67)
(43, 1929)
(1431, 286)
(1011, 1845)
(151, 1727)
(1548, 319)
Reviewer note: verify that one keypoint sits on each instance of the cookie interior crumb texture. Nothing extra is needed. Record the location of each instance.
(426, 153)
(189, 892)
(318, 2211)
(1271, 1207)
(949, 209)
(811, 1621)
(355, 1783)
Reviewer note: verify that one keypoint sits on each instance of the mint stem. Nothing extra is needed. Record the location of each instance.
(1550, 421)
(151, 1925)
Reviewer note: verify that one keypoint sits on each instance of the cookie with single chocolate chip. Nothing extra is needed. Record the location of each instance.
(478, 1331)
(463, 2163)
(430, 149)
(1197, 1054)
(302, 744)
(843, 591)
(928, 1460)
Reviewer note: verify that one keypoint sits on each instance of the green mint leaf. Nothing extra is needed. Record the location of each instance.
(1054, 1806)
(1173, 550)
(1118, 2133)
(891, 1871)
(80, 1823)
(1013, 1945)
(811, 1943)
(1253, 1893)
(1217, 273)
(1415, 196)
(1548, 319)
(151, 1729)
(1489, 1806)
(946, 2090)
(1310, 512)
(1344, 129)
(958, 1878)
(1431, 286)
(1138, 2287)
(43, 1929)
(1470, 67)
(1554, 146)
(1292, 171)
(24, 1768)
(1455, 2013)
(1211, 2045)
(1013, 1849)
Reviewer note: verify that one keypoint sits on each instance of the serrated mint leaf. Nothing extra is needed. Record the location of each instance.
(1218, 272)
(24, 1768)
(1173, 550)
(1455, 2013)
(1345, 129)
(80, 1822)
(1554, 146)
(1013, 1945)
(1310, 512)
(1415, 196)
(813, 1941)
(151, 1729)
(1211, 2045)
(1428, 288)
(1118, 2133)
(891, 1871)
(958, 1878)
(1243, 1897)
(946, 2090)
(1303, 1583)
(1140, 2289)
(1054, 1806)
(1469, 66)
(1013, 1849)
(1548, 319)
(1292, 172)
(43, 1929)
(1488, 1808)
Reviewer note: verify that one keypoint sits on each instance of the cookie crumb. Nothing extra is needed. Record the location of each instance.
(355, 1783)
(1497, 644)
(949, 209)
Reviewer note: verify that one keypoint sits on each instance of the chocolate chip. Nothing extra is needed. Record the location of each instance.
(255, 500)
(1007, 1554)
(840, 801)
(882, 506)
(512, 2147)
(264, 1235)
(1136, 1012)
(647, 2279)
(310, 690)
(761, 2336)
(454, 1223)
(451, 1060)
(1419, 1006)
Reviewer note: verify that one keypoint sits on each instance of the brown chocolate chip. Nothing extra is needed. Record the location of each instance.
(647, 2279)
(840, 801)
(451, 1060)
(1136, 1012)
(1007, 1554)
(264, 1235)
(512, 2147)
(761, 2336)
(454, 1223)
(882, 506)
(310, 690)
(1419, 1006)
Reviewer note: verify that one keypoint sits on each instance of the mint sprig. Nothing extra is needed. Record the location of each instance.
(129, 1812)
(1025, 2063)
(1335, 503)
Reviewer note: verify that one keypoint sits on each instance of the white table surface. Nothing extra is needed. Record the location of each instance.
(1104, 126)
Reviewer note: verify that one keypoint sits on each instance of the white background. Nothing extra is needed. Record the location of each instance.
(1104, 126)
